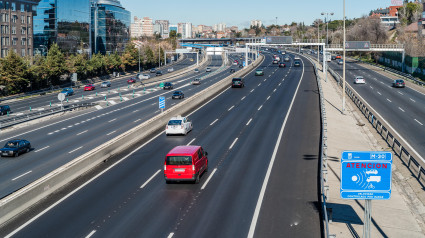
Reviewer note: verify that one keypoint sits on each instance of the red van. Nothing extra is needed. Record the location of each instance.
(185, 163)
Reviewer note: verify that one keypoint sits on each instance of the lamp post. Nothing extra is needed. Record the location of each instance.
(327, 21)
(47, 49)
(138, 48)
(343, 64)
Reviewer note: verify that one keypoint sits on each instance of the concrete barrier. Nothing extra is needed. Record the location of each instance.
(23, 199)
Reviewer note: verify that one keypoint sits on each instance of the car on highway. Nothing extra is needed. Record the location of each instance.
(178, 126)
(4, 109)
(105, 84)
(235, 63)
(333, 57)
(297, 63)
(168, 85)
(240, 65)
(259, 72)
(196, 81)
(196, 70)
(238, 83)
(170, 70)
(399, 83)
(282, 65)
(89, 87)
(15, 148)
(177, 95)
(68, 91)
(338, 57)
(158, 73)
(145, 76)
(286, 59)
(232, 70)
(340, 61)
(153, 70)
(185, 163)
(359, 80)
(131, 80)
(208, 69)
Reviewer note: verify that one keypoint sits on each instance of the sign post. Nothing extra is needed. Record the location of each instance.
(61, 97)
(162, 103)
(366, 175)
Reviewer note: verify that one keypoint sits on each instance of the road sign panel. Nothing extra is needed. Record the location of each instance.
(61, 97)
(366, 175)
(357, 45)
(279, 40)
(161, 102)
(243, 64)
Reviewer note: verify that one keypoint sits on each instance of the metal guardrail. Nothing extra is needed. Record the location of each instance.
(14, 120)
(413, 162)
(372, 46)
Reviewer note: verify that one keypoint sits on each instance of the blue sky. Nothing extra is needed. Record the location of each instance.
(240, 13)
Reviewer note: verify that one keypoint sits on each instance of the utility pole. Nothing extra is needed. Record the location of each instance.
(343, 65)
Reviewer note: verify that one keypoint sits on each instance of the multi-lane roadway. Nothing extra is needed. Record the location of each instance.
(263, 144)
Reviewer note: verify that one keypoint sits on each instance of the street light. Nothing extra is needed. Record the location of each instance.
(47, 49)
(327, 21)
(343, 64)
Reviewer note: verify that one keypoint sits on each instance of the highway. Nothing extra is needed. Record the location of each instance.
(61, 139)
(263, 145)
(402, 108)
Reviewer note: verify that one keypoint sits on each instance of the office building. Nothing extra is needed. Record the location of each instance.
(220, 27)
(256, 23)
(17, 27)
(147, 26)
(136, 28)
(185, 29)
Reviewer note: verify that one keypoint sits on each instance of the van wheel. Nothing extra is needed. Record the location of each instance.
(197, 179)
(17, 154)
(167, 181)
(28, 150)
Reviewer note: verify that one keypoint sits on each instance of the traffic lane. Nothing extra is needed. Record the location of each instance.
(291, 205)
(151, 159)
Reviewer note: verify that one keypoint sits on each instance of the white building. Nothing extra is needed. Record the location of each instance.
(185, 29)
(219, 27)
(147, 26)
(136, 28)
(256, 23)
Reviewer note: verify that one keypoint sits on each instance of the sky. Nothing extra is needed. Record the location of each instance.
(240, 13)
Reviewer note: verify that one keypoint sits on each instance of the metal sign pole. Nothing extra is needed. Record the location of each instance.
(367, 218)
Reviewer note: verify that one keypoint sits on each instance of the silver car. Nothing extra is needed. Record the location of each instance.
(196, 81)
(170, 70)
(208, 70)
(105, 84)
(145, 76)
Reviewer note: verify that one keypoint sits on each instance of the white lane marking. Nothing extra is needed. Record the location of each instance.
(259, 84)
(112, 120)
(269, 169)
(57, 131)
(76, 124)
(22, 175)
(42, 149)
(268, 98)
(138, 120)
(230, 108)
(260, 107)
(91, 233)
(75, 150)
(274, 90)
(234, 142)
(379, 93)
(98, 107)
(212, 123)
(419, 122)
(401, 109)
(153, 176)
(264, 80)
(170, 235)
(110, 133)
(69, 126)
(252, 90)
(50, 133)
(209, 177)
(400, 92)
(82, 132)
(249, 122)
(279, 84)
(136, 110)
(243, 98)
(371, 87)
(412, 100)
(388, 100)
(63, 129)
(191, 141)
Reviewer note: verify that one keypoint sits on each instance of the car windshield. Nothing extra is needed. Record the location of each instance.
(11, 144)
(179, 160)
(176, 93)
(167, 84)
(174, 122)
(259, 70)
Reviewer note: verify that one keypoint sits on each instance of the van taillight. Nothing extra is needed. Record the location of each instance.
(166, 127)
(193, 168)
(182, 126)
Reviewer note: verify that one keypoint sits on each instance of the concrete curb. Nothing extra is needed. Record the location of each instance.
(25, 198)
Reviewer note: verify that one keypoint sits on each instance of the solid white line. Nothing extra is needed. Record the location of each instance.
(91, 233)
(22, 175)
(111, 133)
(82, 132)
(75, 150)
(170, 235)
(401, 109)
(212, 123)
(234, 142)
(249, 122)
(157, 172)
(419, 122)
(112, 120)
(260, 107)
(42, 148)
(191, 141)
(268, 98)
(209, 177)
(230, 108)
(266, 179)
(243, 98)
(388, 100)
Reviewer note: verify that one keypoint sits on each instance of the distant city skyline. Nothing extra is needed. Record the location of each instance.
(236, 13)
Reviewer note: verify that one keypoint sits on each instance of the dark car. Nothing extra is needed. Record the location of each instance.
(232, 70)
(68, 91)
(153, 70)
(238, 82)
(178, 95)
(15, 148)
(168, 85)
(399, 83)
(132, 80)
(333, 57)
(240, 66)
(282, 65)
(4, 109)
(158, 73)
(297, 63)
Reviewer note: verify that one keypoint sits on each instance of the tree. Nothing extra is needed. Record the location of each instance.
(130, 57)
(173, 34)
(14, 73)
(55, 64)
(149, 56)
(410, 12)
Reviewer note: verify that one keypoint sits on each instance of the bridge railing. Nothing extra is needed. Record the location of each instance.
(372, 46)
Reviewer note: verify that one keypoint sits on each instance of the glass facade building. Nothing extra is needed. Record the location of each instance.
(110, 26)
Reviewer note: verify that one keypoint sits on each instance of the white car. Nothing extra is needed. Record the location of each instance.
(145, 76)
(208, 70)
(170, 70)
(235, 63)
(372, 171)
(359, 79)
(178, 126)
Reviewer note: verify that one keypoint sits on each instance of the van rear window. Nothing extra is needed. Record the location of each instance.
(175, 122)
(179, 160)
